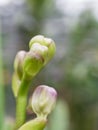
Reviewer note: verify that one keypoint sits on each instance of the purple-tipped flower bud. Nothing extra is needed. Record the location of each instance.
(43, 100)
(18, 63)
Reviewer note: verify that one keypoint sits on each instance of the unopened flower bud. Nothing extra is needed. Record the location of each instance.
(37, 39)
(18, 63)
(43, 100)
(40, 50)
(51, 47)
(32, 64)
(49, 43)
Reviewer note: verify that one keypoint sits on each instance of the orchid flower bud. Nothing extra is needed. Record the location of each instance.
(49, 43)
(43, 100)
(38, 39)
(33, 62)
(18, 63)
(40, 50)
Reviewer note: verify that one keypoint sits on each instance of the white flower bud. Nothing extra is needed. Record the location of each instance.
(43, 100)
(18, 63)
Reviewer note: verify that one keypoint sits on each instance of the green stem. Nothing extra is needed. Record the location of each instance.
(1, 87)
(21, 102)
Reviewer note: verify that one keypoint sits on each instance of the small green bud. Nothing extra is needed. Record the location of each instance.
(43, 100)
(36, 124)
(37, 39)
(40, 50)
(18, 63)
(32, 64)
(49, 43)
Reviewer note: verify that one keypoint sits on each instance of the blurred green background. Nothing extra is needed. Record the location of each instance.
(73, 24)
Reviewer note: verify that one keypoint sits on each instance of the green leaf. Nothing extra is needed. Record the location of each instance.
(36, 124)
(59, 120)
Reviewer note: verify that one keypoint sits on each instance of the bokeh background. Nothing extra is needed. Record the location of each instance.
(73, 24)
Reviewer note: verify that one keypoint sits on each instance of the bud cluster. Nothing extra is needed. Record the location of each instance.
(29, 63)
